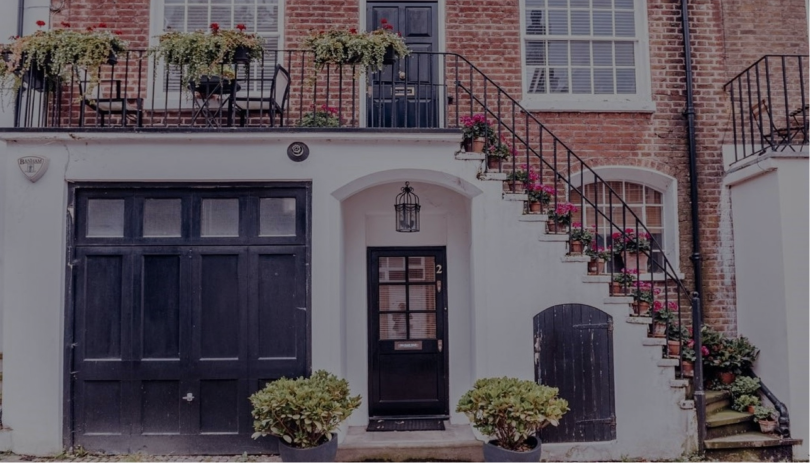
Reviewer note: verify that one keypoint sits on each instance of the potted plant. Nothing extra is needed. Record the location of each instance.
(321, 116)
(208, 53)
(621, 281)
(745, 386)
(370, 50)
(635, 248)
(539, 196)
(766, 417)
(643, 296)
(580, 237)
(476, 133)
(53, 54)
(663, 317)
(496, 154)
(304, 414)
(512, 411)
(560, 217)
(677, 336)
(742, 402)
(599, 256)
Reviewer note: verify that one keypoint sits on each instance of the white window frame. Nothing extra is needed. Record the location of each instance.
(666, 185)
(641, 101)
(170, 99)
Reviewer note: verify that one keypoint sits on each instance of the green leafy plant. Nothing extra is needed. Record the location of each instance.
(743, 353)
(562, 213)
(605, 254)
(303, 412)
(206, 53)
(511, 410)
(580, 233)
(541, 193)
(365, 49)
(626, 277)
(764, 413)
(478, 126)
(741, 403)
(644, 292)
(745, 385)
(631, 241)
(322, 116)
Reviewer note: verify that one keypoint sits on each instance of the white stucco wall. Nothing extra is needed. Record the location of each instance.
(770, 215)
(501, 274)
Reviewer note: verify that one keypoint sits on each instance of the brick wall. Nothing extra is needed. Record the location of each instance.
(727, 36)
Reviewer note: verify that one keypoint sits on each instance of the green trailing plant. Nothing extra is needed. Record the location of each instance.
(741, 403)
(764, 413)
(206, 53)
(303, 412)
(321, 116)
(745, 385)
(349, 46)
(511, 410)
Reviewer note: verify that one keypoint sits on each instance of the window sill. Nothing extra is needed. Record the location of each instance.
(589, 104)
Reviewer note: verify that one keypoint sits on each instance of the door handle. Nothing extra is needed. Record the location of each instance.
(440, 345)
(189, 397)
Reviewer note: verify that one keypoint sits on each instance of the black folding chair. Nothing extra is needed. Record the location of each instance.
(272, 104)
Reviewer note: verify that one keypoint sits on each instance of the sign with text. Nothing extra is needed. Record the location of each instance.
(408, 345)
(33, 167)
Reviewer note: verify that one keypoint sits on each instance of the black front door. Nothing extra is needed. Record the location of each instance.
(406, 94)
(186, 302)
(407, 332)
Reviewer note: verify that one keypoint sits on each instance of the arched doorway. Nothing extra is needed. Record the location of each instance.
(573, 346)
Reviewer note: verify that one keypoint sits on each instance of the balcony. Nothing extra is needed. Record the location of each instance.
(284, 90)
(769, 110)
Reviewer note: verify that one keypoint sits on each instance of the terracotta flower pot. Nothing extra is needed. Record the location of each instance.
(635, 261)
(477, 145)
(576, 247)
(641, 308)
(674, 348)
(596, 266)
(535, 207)
(659, 330)
(750, 409)
(616, 289)
(554, 227)
(688, 368)
(726, 377)
(767, 426)
(493, 162)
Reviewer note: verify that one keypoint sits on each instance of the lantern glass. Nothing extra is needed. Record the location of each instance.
(407, 210)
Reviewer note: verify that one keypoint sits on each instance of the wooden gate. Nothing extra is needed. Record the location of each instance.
(573, 345)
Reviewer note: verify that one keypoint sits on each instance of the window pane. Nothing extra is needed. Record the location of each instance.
(423, 326)
(105, 218)
(537, 80)
(536, 22)
(535, 3)
(162, 217)
(633, 193)
(558, 53)
(625, 54)
(392, 269)
(625, 24)
(558, 3)
(603, 81)
(580, 3)
(392, 326)
(536, 53)
(220, 217)
(625, 81)
(602, 23)
(222, 16)
(654, 219)
(277, 217)
(581, 53)
(267, 16)
(603, 53)
(653, 197)
(558, 22)
(392, 298)
(422, 297)
(624, 4)
(174, 17)
(581, 80)
(558, 80)
(421, 268)
(197, 18)
(601, 3)
(580, 23)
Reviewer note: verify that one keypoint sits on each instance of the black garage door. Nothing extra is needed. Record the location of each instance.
(184, 302)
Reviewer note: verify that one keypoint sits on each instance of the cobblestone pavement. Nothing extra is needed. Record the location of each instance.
(94, 457)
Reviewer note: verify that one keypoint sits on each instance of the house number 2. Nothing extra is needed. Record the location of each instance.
(438, 269)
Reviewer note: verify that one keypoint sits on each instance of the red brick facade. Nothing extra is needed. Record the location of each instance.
(727, 36)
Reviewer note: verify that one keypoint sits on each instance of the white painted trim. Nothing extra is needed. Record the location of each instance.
(640, 102)
(343, 136)
(441, 32)
(448, 181)
(667, 185)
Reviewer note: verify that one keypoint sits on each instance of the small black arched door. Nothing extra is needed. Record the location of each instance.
(573, 345)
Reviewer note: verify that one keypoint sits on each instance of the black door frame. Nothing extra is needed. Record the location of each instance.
(72, 238)
(441, 309)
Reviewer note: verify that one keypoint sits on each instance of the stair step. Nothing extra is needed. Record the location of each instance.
(515, 197)
(726, 417)
(463, 156)
(668, 363)
(716, 396)
(749, 440)
(638, 320)
(717, 406)
(618, 300)
(533, 218)
(496, 176)
(654, 342)
(553, 237)
(569, 258)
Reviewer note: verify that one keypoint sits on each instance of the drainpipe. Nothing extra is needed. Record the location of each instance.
(697, 316)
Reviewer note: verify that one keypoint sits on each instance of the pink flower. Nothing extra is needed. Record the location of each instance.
(705, 351)
(672, 305)
(657, 305)
(40, 23)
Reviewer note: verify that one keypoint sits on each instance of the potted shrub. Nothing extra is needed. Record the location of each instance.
(663, 317)
(539, 196)
(599, 256)
(676, 337)
(689, 356)
(496, 154)
(745, 385)
(743, 402)
(304, 414)
(53, 54)
(635, 248)
(370, 50)
(621, 281)
(321, 116)
(560, 217)
(521, 177)
(580, 237)
(476, 133)
(643, 296)
(210, 54)
(512, 411)
(766, 417)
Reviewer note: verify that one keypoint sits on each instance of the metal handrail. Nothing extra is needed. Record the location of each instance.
(783, 424)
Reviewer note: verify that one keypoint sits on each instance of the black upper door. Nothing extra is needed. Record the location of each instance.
(407, 332)
(173, 328)
(406, 93)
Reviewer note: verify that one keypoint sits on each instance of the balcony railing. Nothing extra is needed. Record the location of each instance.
(769, 110)
(284, 89)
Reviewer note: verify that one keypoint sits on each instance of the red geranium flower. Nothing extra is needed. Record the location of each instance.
(384, 21)
(118, 32)
(40, 23)
(89, 28)
(241, 27)
(64, 24)
(353, 30)
(102, 25)
(214, 27)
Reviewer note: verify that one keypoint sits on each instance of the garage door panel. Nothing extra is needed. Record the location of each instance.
(160, 307)
(277, 306)
(219, 316)
(102, 313)
(160, 407)
(219, 406)
(103, 407)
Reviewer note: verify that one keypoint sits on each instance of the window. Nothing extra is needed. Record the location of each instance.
(586, 54)
(260, 16)
(646, 202)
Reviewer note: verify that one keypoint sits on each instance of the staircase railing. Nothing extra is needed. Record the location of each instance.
(783, 424)
(550, 162)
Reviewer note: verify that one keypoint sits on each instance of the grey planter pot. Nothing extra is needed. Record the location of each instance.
(494, 453)
(323, 452)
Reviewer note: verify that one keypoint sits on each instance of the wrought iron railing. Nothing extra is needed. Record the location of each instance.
(769, 109)
(783, 424)
(424, 91)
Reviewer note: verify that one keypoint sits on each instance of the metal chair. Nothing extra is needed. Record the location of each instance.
(130, 109)
(273, 104)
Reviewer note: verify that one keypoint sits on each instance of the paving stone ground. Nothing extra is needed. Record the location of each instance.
(93, 457)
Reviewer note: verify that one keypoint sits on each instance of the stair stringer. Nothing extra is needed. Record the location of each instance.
(523, 274)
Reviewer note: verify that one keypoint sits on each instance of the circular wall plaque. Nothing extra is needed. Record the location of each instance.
(298, 151)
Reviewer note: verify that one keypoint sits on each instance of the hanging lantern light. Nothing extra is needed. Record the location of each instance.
(407, 210)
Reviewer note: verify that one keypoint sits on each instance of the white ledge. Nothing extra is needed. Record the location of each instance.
(533, 218)
(515, 197)
(465, 156)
